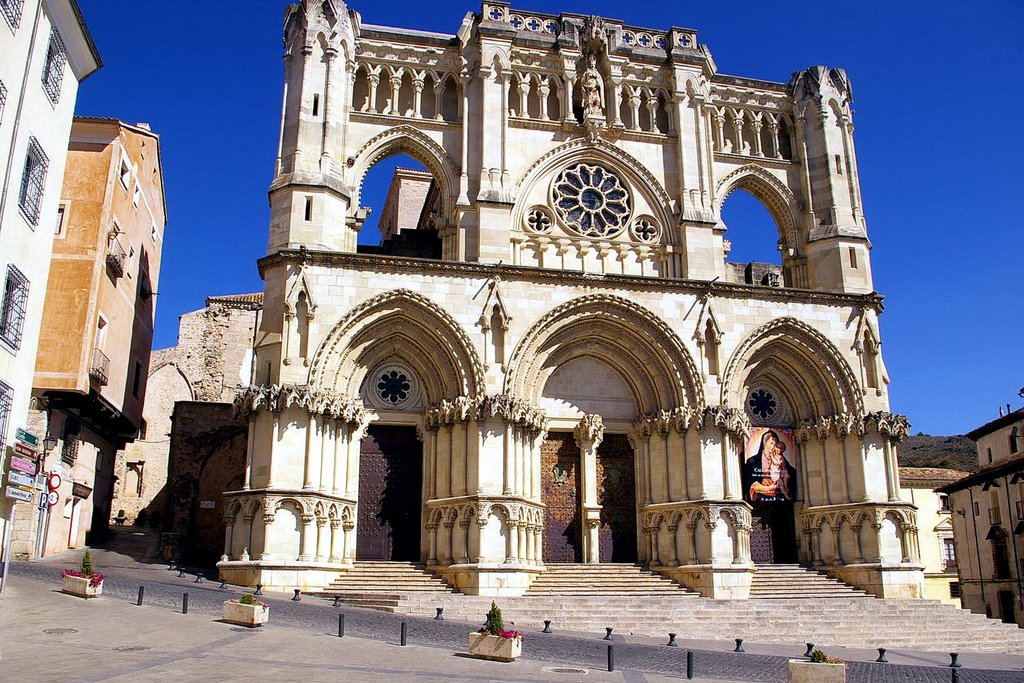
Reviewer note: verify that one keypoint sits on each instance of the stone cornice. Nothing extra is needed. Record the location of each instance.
(278, 397)
(399, 264)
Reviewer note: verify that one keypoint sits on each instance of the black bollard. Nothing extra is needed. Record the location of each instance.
(296, 598)
(223, 584)
(404, 633)
(199, 578)
(608, 635)
(170, 567)
(881, 656)
(181, 572)
(955, 676)
(547, 626)
(341, 625)
(953, 663)
(440, 614)
(184, 603)
(739, 645)
(810, 649)
(611, 657)
(259, 589)
(142, 591)
(672, 641)
(337, 601)
(689, 665)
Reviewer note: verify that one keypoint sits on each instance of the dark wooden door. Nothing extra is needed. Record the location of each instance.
(773, 536)
(616, 494)
(560, 486)
(390, 494)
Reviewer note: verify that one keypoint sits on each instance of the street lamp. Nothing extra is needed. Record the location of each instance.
(49, 443)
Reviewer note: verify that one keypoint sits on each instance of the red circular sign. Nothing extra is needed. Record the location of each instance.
(52, 497)
(53, 482)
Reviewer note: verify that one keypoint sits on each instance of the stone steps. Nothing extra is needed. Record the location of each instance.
(605, 579)
(382, 585)
(778, 581)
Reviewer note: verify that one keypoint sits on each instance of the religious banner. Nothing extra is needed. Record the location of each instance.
(769, 465)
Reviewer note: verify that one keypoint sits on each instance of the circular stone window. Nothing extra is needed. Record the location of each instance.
(591, 201)
(762, 404)
(391, 387)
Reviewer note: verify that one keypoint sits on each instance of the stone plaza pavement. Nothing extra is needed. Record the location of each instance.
(112, 639)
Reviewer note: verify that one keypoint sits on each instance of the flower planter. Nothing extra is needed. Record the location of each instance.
(79, 585)
(802, 671)
(495, 647)
(245, 615)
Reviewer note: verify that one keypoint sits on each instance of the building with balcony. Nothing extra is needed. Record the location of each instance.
(577, 373)
(45, 52)
(97, 322)
(988, 521)
(935, 528)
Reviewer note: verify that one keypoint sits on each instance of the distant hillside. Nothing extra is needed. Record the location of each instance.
(952, 452)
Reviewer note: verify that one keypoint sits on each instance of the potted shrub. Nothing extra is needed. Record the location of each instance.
(246, 611)
(820, 669)
(493, 641)
(83, 582)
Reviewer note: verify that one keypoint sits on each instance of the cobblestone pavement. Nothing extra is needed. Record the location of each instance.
(762, 662)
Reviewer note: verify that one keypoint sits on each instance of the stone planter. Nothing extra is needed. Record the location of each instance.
(79, 585)
(802, 671)
(495, 647)
(245, 615)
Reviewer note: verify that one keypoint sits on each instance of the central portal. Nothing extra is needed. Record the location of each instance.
(562, 490)
(390, 494)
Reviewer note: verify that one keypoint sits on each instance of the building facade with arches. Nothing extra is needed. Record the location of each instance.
(582, 376)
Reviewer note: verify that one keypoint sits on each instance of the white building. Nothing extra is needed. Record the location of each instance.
(45, 52)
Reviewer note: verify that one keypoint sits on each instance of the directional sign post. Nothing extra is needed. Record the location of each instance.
(28, 437)
(18, 493)
(20, 479)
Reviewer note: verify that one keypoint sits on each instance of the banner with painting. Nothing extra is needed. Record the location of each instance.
(769, 465)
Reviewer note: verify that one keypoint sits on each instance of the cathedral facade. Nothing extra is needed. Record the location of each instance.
(572, 371)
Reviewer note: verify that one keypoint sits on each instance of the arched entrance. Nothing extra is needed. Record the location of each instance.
(390, 494)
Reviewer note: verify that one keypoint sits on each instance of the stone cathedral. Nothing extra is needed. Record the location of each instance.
(556, 361)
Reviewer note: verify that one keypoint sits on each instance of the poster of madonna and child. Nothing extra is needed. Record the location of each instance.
(769, 465)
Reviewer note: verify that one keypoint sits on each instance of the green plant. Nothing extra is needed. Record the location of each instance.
(247, 599)
(819, 657)
(88, 568)
(494, 624)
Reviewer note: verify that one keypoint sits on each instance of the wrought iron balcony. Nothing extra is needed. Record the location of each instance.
(115, 256)
(949, 565)
(100, 367)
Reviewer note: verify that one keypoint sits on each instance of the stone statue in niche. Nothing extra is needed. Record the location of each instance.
(593, 89)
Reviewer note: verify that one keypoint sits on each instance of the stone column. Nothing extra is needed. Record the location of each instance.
(306, 538)
(323, 540)
(432, 553)
(512, 542)
(417, 97)
(445, 548)
(855, 528)
(524, 549)
(756, 126)
(396, 87)
(589, 433)
(374, 80)
(337, 548)
(349, 541)
(229, 528)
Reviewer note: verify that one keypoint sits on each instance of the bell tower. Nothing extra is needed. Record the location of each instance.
(309, 198)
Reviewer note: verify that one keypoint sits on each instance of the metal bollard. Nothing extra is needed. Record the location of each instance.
(404, 633)
(611, 657)
(955, 675)
(881, 656)
(547, 626)
(259, 589)
(181, 572)
(184, 603)
(223, 584)
(689, 665)
(440, 614)
(337, 601)
(142, 591)
(739, 645)
(341, 625)
(296, 598)
(953, 663)
(199, 578)
(810, 649)
(672, 641)
(608, 635)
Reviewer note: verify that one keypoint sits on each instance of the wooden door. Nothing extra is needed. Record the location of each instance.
(390, 494)
(560, 486)
(616, 494)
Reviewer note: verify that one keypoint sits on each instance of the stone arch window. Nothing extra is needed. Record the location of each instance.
(406, 209)
(591, 200)
(392, 386)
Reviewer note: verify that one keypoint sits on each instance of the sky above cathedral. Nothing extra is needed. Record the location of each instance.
(937, 100)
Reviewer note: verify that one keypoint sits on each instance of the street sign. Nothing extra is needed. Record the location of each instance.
(54, 481)
(14, 493)
(52, 497)
(27, 437)
(19, 479)
(22, 449)
(23, 465)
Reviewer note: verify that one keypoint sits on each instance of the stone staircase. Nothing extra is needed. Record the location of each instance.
(781, 581)
(588, 598)
(604, 580)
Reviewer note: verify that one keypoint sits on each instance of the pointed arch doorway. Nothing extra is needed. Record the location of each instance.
(390, 494)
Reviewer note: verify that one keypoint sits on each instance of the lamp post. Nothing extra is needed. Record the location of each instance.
(49, 443)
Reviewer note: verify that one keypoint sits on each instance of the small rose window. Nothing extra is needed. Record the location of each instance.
(591, 201)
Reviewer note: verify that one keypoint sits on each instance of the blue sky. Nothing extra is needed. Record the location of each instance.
(938, 98)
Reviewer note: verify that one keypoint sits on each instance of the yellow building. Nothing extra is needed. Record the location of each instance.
(97, 326)
(935, 529)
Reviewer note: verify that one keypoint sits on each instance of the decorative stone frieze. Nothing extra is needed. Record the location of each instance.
(509, 409)
(279, 397)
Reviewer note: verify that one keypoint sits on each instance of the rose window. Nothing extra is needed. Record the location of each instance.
(591, 201)
(393, 386)
(762, 404)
